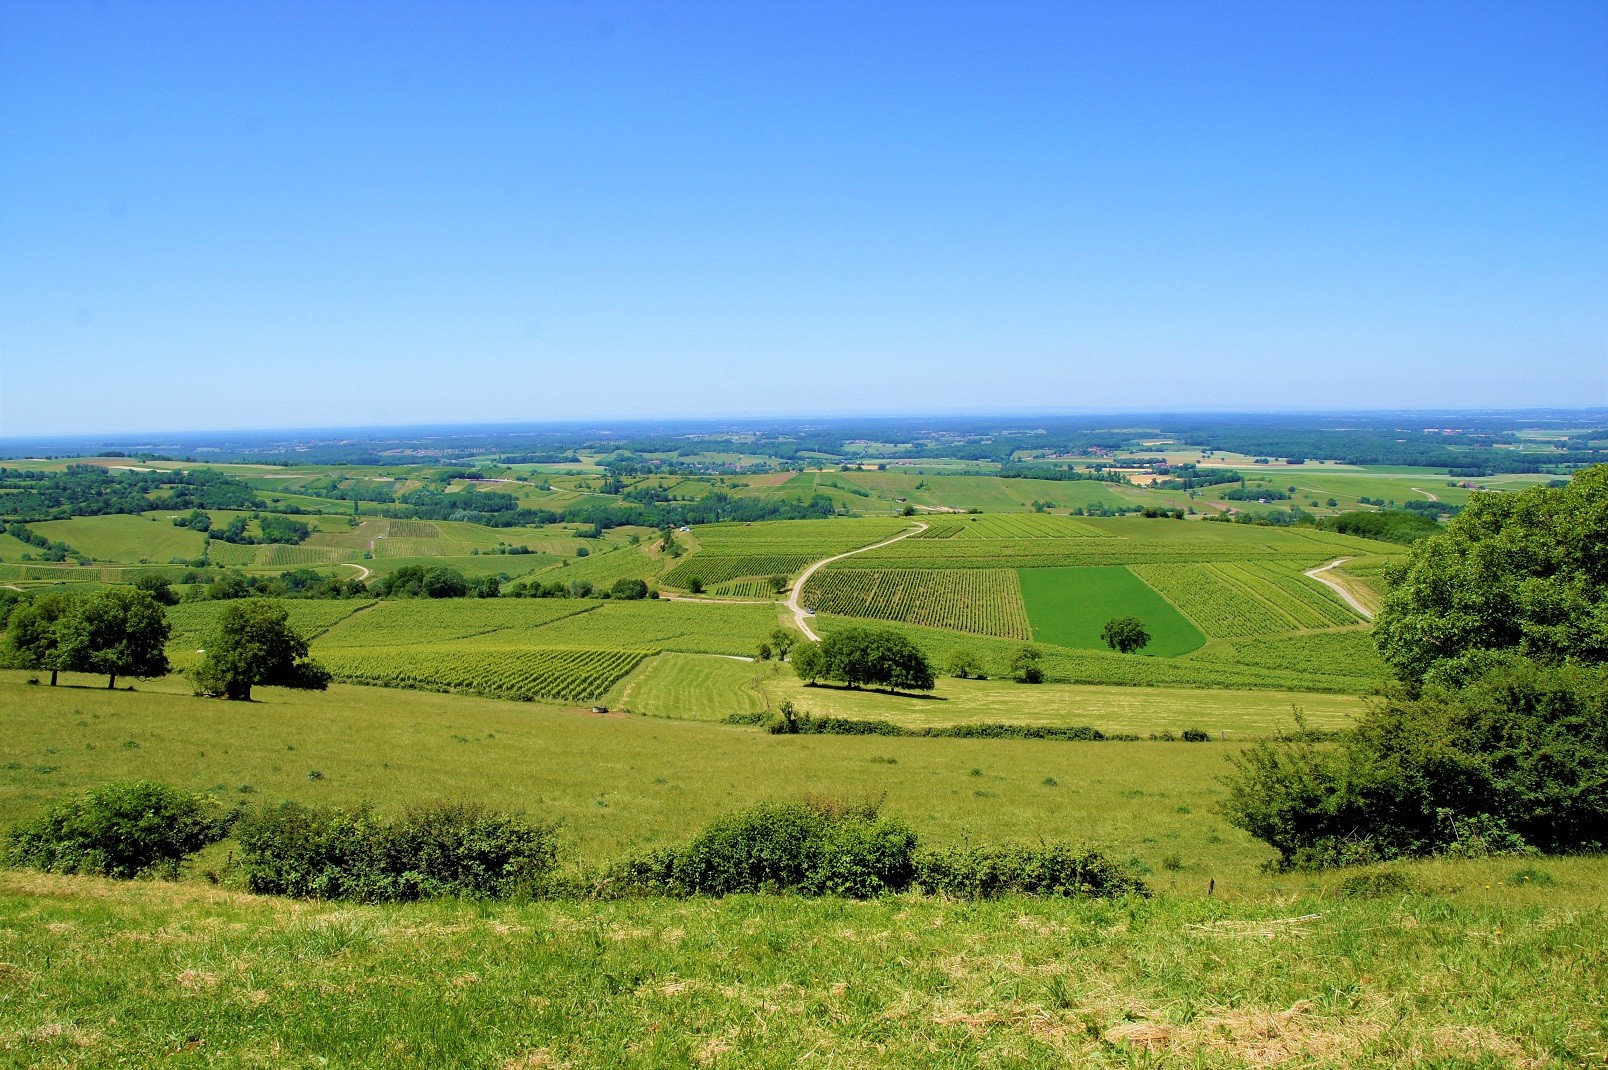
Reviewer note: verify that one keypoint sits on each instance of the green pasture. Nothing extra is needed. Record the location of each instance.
(1069, 607)
(708, 688)
(122, 538)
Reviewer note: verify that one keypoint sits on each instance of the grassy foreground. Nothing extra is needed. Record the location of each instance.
(1467, 971)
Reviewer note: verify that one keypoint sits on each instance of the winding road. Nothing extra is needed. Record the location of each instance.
(800, 617)
(1317, 574)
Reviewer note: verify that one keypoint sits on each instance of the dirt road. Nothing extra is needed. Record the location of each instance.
(800, 617)
(1318, 574)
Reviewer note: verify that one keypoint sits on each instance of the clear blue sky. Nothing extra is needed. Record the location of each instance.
(218, 214)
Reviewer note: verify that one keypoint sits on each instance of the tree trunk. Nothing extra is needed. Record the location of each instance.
(238, 692)
(53, 677)
(111, 681)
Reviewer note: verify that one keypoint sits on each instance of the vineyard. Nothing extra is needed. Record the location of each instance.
(710, 569)
(565, 675)
(981, 601)
(418, 621)
(193, 622)
(1012, 526)
(279, 555)
(1066, 553)
(813, 538)
(1234, 600)
(745, 589)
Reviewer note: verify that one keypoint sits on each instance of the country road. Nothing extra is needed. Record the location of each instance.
(1428, 493)
(364, 569)
(1317, 574)
(799, 616)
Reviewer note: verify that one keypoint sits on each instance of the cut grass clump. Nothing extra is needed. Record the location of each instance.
(123, 829)
(458, 850)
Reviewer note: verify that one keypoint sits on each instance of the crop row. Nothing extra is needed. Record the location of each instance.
(1316, 601)
(1010, 527)
(1227, 600)
(1037, 553)
(563, 674)
(413, 621)
(710, 569)
(818, 538)
(981, 601)
(745, 589)
(280, 555)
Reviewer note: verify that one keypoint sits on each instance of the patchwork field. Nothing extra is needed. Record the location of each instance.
(1070, 606)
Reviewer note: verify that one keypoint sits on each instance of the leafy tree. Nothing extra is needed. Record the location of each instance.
(1026, 667)
(869, 656)
(763, 652)
(629, 589)
(120, 632)
(1523, 572)
(964, 665)
(444, 582)
(254, 644)
(807, 662)
(695, 585)
(156, 585)
(1125, 634)
(33, 640)
(781, 641)
(778, 583)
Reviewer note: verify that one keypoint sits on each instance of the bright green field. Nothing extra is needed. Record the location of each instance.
(1069, 607)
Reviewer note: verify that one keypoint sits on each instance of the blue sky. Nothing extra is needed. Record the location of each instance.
(225, 215)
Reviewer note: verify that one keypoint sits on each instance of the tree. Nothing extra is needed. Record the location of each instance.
(1523, 572)
(444, 582)
(1025, 667)
(629, 589)
(778, 583)
(32, 638)
(695, 586)
(963, 665)
(807, 662)
(156, 585)
(861, 656)
(763, 653)
(1125, 634)
(120, 632)
(781, 641)
(254, 644)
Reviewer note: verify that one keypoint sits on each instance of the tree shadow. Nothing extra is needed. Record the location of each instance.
(877, 691)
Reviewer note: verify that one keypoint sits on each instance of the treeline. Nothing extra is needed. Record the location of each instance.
(498, 509)
(90, 490)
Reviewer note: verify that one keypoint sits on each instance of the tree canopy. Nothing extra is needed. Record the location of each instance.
(1125, 634)
(255, 644)
(862, 657)
(1521, 572)
(121, 631)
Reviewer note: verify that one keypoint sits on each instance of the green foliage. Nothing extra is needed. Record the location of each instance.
(812, 848)
(1523, 572)
(963, 665)
(120, 631)
(254, 644)
(1049, 869)
(1517, 755)
(981, 601)
(121, 829)
(629, 588)
(33, 638)
(1125, 634)
(1388, 525)
(313, 852)
(862, 657)
(1027, 665)
(568, 675)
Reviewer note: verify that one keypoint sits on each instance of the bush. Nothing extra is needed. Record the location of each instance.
(1051, 869)
(810, 848)
(629, 589)
(330, 853)
(1025, 667)
(1515, 756)
(1375, 884)
(120, 830)
(1197, 735)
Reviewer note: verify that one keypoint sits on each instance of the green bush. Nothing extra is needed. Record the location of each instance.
(330, 853)
(122, 829)
(812, 848)
(1514, 754)
(1051, 869)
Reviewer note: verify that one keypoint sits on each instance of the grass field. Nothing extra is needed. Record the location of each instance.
(704, 687)
(1069, 607)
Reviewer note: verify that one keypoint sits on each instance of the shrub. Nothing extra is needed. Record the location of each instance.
(120, 830)
(1025, 667)
(811, 848)
(1051, 869)
(1517, 755)
(629, 589)
(331, 853)
(1196, 735)
(1375, 884)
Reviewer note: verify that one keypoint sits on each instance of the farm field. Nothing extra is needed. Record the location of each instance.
(979, 601)
(1069, 607)
(701, 687)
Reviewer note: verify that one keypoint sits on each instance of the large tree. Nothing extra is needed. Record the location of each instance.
(1125, 634)
(33, 640)
(1523, 572)
(121, 631)
(860, 657)
(255, 644)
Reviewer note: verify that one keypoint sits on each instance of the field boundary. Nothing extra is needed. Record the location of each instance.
(799, 614)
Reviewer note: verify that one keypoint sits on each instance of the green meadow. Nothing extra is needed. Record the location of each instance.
(1070, 606)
